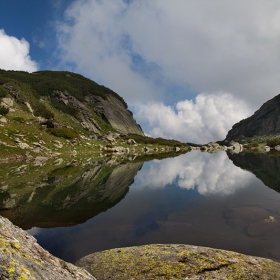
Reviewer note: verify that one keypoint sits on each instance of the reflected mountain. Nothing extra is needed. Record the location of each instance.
(51, 196)
(265, 167)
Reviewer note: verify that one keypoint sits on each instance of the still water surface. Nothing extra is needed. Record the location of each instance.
(196, 198)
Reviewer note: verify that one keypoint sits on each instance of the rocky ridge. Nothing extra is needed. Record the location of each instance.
(265, 121)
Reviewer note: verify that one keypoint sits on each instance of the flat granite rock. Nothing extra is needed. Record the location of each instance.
(177, 262)
(22, 258)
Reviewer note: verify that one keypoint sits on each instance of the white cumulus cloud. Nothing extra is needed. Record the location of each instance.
(141, 48)
(208, 118)
(14, 54)
(164, 51)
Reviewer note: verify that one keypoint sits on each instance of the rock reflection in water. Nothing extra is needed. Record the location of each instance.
(67, 195)
(196, 198)
(265, 166)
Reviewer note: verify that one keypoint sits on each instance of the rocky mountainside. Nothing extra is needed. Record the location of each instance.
(53, 97)
(48, 113)
(264, 122)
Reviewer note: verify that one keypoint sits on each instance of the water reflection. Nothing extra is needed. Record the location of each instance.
(206, 173)
(53, 196)
(196, 198)
(265, 166)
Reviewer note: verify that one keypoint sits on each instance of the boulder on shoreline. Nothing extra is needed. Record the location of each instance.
(21, 257)
(177, 261)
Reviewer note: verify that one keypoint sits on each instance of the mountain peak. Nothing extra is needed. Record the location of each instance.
(264, 122)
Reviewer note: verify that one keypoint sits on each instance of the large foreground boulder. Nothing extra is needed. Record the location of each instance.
(177, 262)
(22, 258)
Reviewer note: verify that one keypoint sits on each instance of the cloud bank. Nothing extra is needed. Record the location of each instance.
(209, 174)
(144, 49)
(208, 118)
(14, 54)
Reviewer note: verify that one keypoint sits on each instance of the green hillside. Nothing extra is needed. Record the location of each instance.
(49, 112)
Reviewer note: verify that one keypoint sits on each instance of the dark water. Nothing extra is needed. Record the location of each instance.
(196, 198)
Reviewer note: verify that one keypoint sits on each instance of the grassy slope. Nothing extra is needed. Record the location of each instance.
(24, 125)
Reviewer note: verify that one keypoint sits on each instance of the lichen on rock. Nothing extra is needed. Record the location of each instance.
(177, 262)
(22, 258)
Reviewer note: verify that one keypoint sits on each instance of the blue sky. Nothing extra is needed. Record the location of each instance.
(188, 69)
(35, 22)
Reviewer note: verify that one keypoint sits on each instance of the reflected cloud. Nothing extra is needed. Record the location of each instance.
(34, 231)
(209, 174)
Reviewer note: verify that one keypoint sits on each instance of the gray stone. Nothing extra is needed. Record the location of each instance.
(277, 148)
(8, 102)
(118, 149)
(24, 146)
(266, 148)
(131, 142)
(3, 119)
(36, 144)
(236, 147)
(40, 161)
(57, 144)
(29, 107)
(21, 257)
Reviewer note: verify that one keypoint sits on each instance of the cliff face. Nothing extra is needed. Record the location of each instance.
(265, 121)
(62, 96)
(116, 114)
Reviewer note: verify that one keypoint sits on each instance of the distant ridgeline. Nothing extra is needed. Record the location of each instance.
(54, 95)
(264, 122)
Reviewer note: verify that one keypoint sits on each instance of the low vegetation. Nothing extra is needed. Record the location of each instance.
(4, 110)
(41, 83)
(273, 142)
(64, 132)
(146, 140)
(37, 125)
(3, 92)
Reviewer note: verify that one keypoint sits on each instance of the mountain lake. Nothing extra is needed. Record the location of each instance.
(195, 198)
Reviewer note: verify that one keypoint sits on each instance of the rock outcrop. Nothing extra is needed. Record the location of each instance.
(56, 96)
(265, 121)
(177, 262)
(21, 257)
(114, 112)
